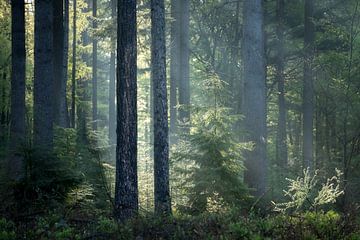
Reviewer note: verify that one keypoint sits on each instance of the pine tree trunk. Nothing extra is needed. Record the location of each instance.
(161, 130)
(112, 84)
(308, 89)
(94, 67)
(184, 80)
(43, 75)
(60, 110)
(174, 67)
(126, 189)
(18, 57)
(73, 72)
(281, 142)
(255, 95)
(64, 105)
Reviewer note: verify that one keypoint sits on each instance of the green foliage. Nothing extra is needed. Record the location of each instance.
(304, 192)
(7, 230)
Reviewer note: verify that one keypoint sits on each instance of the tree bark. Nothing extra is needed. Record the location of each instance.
(43, 75)
(308, 89)
(161, 129)
(60, 110)
(17, 116)
(126, 189)
(281, 142)
(94, 67)
(254, 96)
(112, 84)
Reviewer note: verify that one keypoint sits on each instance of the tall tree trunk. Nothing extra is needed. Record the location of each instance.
(254, 95)
(73, 72)
(174, 67)
(281, 143)
(126, 189)
(308, 89)
(18, 57)
(60, 110)
(184, 80)
(64, 105)
(43, 75)
(161, 129)
(112, 84)
(94, 67)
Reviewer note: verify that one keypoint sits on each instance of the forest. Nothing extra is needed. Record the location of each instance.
(179, 119)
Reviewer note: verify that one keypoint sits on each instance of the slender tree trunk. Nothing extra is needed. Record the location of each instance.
(161, 129)
(281, 142)
(255, 95)
(184, 80)
(94, 67)
(17, 117)
(73, 77)
(43, 75)
(112, 84)
(308, 89)
(64, 102)
(126, 189)
(174, 67)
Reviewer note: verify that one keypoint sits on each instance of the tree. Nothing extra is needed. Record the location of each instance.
(254, 95)
(184, 71)
(308, 88)
(174, 66)
(73, 72)
(126, 189)
(18, 57)
(160, 115)
(43, 75)
(281, 143)
(60, 105)
(112, 84)
(94, 66)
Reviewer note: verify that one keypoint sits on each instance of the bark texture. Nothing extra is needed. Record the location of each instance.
(126, 188)
(43, 75)
(160, 115)
(17, 116)
(254, 95)
(60, 106)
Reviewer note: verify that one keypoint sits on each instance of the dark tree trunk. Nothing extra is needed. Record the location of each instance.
(174, 67)
(17, 117)
(255, 95)
(112, 84)
(126, 188)
(73, 72)
(184, 80)
(308, 89)
(281, 143)
(43, 75)
(60, 110)
(161, 129)
(94, 66)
